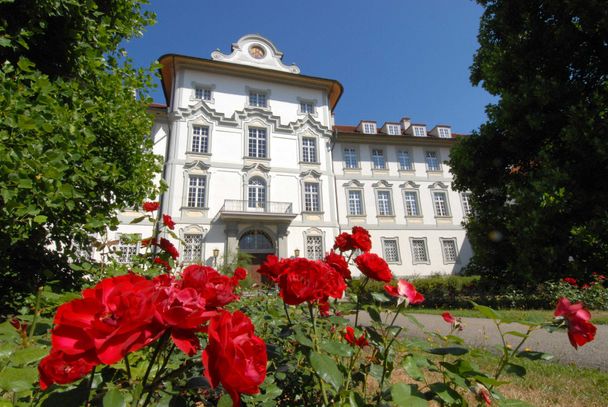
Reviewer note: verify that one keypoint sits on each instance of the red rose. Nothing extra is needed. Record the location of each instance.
(349, 336)
(361, 239)
(308, 281)
(374, 267)
(151, 206)
(234, 356)
(112, 319)
(164, 263)
(324, 308)
(449, 318)
(570, 281)
(169, 248)
(168, 222)
(149, 241)
(344, 242)
(273, 267)
(60, 368)
(215, 288)
(338, 263)
(580, 330)
(240, 274)
(405, 291)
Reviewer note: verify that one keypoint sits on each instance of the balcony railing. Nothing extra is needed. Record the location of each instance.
(232, 205)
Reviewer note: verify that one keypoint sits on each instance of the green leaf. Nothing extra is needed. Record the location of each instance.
(535, 355)
(374, 314)
(407, 395)
(516, 333)
(487, 312)
(40, 219)
(445, 393)
(452, 350)
(139, 219)
(515, 369)
(225, 401)
(412, 369)
(18, 379)
(327, 369)
(337, 348)
(28, 355)
(301, 338)
(380, 297)
(355, 399)
(114, 398)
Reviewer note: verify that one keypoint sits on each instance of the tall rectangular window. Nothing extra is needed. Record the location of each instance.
(419, 252)
(350, 158)
(405, 161)
(378, 159)
(309, 150)
(440, 202)
(466, 203)
(257, 99)
(257, 142)
(432, 161)
(355, 203)
(369, 128)
(314, 247)
(202, 93)
(419, 131)
(307, 107)
(450, 251)
(193, 248)
(128, 247)
(411, 203)
(196, 191)
(312, 201)
(390, 249)
(385, 208)
(200, 139)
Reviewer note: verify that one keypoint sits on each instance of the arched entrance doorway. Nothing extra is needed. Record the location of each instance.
(258, 244)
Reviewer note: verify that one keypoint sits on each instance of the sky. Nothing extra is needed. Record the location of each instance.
(395, 58)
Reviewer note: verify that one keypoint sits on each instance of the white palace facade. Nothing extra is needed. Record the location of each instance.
(255, 163)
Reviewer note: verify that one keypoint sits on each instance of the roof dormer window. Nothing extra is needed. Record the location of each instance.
(444, 132)
(369, 128)
(393, 129)
(419, 131)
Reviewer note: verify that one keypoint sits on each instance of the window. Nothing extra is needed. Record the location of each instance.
(307, 107)
(350, 158)
(432, 161)
(377, 159)
(419, 131)
(196, 191)
(257, 142)
(256, 193)
(440, 202)
(312, 201)
(405, 161)
(411, 203)
(419, 252)
(258, 99)
(355, 203)
(369, 128)
(466, 203)
(393, 129)
(390, 249)
(200, 139)
(444, 132)
(314, 247)
(128, 247)
(309, 150)
(202, 93)
(193, 246)
(450, 251)
(385, 208)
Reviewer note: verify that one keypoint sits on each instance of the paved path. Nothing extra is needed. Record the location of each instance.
(480, 332)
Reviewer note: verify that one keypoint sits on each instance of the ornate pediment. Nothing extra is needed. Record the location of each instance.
(438, 185)
(382, 184)
(196, 165)
(353, 184)
(409, 184)
(310, 173)
(256, 166)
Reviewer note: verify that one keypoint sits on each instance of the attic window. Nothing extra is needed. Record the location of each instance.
(369, 128)
(419, 131)
(393, 129)
(444, 132)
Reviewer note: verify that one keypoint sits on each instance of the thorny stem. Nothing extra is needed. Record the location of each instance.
(287, 313)
(359, 300)
(159, 346)
(386, 350)
(90, 386)
(506, 356)
(316, 348)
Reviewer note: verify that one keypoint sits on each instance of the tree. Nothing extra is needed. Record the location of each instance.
(538, 168)
(74, 140)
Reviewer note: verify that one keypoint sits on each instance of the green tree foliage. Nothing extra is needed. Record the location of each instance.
(74, 139)
(538, 168)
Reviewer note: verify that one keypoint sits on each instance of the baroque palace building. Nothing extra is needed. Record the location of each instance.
(255, 163)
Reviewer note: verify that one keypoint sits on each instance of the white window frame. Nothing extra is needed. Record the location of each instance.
(389, 202)
(190, 250)
(465, 200)
(258, 142)
(259, 198)
(375, 156)
(307, 107)
(258, 98)
(197, 195)
(409, 154)
(426, 251)
(444, 132)
(202, 93)
(356, 157)
(314, 251)
(416, 202)
(393, 129)
(384, 241)
(361, 202)
(309, 156)
(369, 128)
(312, 197)
(419, 131)
(428, 158)
(128, 251)
(203, 139)
(439, 211)
(314, 233)
(443, 241)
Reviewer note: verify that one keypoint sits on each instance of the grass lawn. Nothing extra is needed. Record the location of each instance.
(597, 317)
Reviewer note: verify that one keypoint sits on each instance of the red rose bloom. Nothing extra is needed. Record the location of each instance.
(344, 242)
(374, 267)
(151, 206)
(234, 356)
(168, 222)
(338, 263)
(308, 281)
(273, 267)
(240, 274)
(349, 336)
(570, 281)
(215, 288)
(169, 248)
(405, 291)
(580, 330)
(449, 318)
(59, 368)
(361, 239)
(164, 263)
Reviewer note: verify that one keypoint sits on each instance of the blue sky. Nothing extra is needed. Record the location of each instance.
(394, 58)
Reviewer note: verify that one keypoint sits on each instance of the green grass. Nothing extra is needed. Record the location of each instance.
(597, 317)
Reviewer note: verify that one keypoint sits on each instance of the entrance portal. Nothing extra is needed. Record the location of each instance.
(259, 245)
